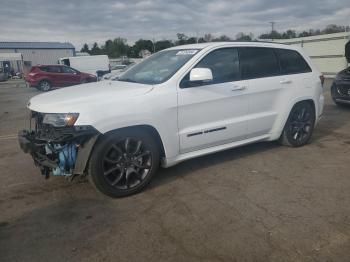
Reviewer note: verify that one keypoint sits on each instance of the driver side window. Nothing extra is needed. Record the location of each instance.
(224, 64)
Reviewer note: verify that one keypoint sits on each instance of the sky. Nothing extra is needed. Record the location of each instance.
(89, 21)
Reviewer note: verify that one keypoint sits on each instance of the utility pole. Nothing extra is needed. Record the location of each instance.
(154, 46)
(272, 28)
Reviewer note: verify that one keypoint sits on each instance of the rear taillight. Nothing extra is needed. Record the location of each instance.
(322, 79)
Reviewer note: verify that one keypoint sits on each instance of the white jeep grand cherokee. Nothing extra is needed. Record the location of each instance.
(180, 103)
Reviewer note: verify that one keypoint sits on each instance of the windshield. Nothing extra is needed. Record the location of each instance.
(159, 67)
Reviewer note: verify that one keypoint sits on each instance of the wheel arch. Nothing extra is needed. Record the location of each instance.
(146, 128)
(84, 162)
(310, 101)
(45, 79)
(277, 130)
(296, 102)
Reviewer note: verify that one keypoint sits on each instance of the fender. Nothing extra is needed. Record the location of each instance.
(167, 132)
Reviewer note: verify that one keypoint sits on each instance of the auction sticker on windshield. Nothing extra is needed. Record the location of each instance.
(187, 52)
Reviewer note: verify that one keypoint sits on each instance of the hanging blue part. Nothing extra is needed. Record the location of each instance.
(66, 160)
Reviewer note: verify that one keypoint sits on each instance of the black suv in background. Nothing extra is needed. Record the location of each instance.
(340, 89)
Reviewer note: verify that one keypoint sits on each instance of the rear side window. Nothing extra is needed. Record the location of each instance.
(258, 62)
(50, 69)
(44, 68)
(292, 62)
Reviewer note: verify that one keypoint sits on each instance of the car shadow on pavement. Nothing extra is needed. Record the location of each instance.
(200, 163)
(333, 119)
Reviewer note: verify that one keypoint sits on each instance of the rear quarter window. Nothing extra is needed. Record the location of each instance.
(292, 62)
(257, 62)
(54, 69)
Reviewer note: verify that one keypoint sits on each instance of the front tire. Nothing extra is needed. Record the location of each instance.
(299, 126)
(124, 162)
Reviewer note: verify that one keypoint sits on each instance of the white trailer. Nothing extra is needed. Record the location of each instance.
(328, 52)
(96, 64)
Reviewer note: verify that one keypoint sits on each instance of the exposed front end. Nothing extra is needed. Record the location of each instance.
(57, 146)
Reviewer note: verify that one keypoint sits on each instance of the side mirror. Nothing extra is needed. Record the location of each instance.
(201, 74)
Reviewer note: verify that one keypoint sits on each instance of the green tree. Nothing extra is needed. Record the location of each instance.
(222, 38)
(244, 37)
(115, 48)
(85, 49)
(142, 44)
(120, 47)
(208, 38)
(304, 34)
(289, 34)
(95, 50)
(191, 40)
(163, 44)
(273, 35)
(331, 29)
(133, 52)
(181, 39)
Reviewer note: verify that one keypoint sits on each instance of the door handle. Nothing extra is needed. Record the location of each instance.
(286, 81)
(238, 88)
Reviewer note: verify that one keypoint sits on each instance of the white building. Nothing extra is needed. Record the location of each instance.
(35, 53)
(328, 52)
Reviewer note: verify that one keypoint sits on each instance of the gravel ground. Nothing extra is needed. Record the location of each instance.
(261, 202)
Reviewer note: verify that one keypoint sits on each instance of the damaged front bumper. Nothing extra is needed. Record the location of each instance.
(58, 151)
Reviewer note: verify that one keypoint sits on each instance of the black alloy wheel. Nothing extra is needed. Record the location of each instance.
(300, 125)
(124, 163)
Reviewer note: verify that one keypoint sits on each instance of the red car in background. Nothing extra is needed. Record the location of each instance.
(45, 77)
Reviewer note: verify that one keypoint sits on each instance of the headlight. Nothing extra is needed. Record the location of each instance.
(61, 120)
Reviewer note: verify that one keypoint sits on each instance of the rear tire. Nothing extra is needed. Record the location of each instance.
(124, 162)
(44, 86)
(299, 126)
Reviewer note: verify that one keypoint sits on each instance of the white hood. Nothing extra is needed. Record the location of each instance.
(82, 97)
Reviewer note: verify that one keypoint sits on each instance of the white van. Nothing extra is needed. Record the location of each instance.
(97, 65)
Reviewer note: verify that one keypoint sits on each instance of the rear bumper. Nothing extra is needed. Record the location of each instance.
(32, 83)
